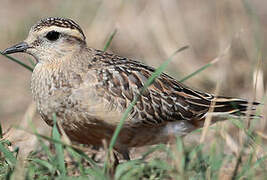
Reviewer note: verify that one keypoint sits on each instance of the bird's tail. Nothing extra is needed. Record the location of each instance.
(220, 108)
(203, 104)
(233, 106)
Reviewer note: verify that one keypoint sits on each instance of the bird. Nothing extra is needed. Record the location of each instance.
(89, 90)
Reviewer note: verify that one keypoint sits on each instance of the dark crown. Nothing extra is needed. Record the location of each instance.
(57, 21)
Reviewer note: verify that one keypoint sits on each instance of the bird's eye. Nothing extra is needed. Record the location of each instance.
(52, 35)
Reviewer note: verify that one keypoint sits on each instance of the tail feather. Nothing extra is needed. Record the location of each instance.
(223, 106)
(234, 106)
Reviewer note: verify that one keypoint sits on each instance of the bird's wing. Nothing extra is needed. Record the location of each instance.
(164, 100)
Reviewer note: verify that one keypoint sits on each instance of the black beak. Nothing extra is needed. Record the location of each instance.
(21, 47)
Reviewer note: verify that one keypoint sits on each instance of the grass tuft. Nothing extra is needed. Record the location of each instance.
(59, 148)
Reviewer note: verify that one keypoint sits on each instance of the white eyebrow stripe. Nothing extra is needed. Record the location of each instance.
(69, 31)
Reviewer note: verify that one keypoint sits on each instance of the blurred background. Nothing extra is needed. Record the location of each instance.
(231, 33)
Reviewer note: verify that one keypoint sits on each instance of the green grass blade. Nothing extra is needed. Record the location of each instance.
(161, 68)
(8, 155)
(219, 57)
(18, 62)
(59, 148)
(124, 168)
(32, 62)
(259, 162)
(109, 40)
(43, 163)
(96, 174)
(83, 155)
(196, 72)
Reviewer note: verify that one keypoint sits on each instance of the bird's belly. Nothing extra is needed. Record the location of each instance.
(154, 135)
(93, 132)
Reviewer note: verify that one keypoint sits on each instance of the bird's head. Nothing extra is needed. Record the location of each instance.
(50, 39)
